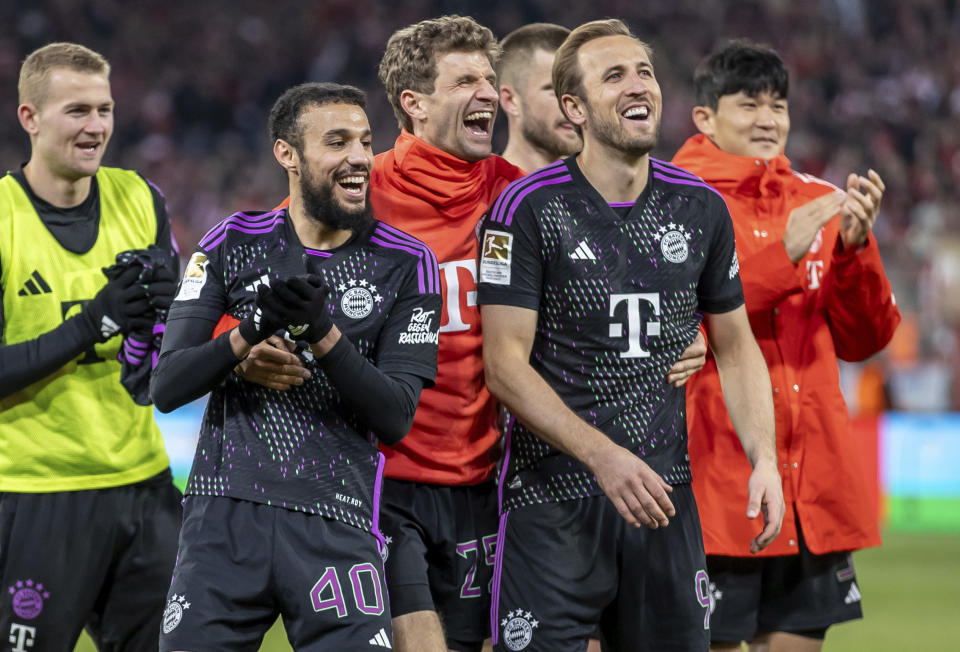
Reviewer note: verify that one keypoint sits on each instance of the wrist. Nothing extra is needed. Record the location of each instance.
(323, 346)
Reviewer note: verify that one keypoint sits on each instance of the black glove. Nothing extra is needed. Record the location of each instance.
(260, 324)
(160, 293)
(300, 304)
(120, 305)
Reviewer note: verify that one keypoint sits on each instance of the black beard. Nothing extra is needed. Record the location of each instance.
(319, 205)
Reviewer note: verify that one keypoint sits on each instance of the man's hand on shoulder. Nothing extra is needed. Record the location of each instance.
(637, 491)
(860, 210)
(766, 497)
(805, 222)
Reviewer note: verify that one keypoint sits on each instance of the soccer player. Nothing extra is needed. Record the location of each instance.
(592, 273)
(815, 291)
(440, 507)
(88, 511)
(282, 507)
(539, 133)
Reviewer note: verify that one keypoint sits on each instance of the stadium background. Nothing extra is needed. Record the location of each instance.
(875, 83)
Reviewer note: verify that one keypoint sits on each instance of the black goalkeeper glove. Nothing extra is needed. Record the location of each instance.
(260, 324)
(120, 305)
(300, 304)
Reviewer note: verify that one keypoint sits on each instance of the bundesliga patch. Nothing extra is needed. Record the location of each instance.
(673, 242)
(194, 278)
(496, 252)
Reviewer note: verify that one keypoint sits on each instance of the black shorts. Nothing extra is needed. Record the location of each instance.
(441, 545)
(99, 558)
(241, 564)
(797, 593)
(563, 568)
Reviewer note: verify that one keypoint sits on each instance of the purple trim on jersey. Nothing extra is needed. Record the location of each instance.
(507, 441)
(159, 328)
(377, 488)
(317, 252)
(154, 186)
(239, 220)
(428, 271)
(526, 191)
(663, 166)
(507, 195)
(621, 204)
(685, 182)
(497, 571)
(242, 229)
(418, 254)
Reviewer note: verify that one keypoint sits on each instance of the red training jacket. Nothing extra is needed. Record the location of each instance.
(833, 304)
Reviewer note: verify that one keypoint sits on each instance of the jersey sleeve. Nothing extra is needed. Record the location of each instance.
(202, 292)
(510, 265)
(720, 289)
(409, 339)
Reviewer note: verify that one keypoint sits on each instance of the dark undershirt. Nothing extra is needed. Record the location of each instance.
(192, 364)
(76, 230)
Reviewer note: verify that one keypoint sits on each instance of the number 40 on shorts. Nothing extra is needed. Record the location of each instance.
(367, 593)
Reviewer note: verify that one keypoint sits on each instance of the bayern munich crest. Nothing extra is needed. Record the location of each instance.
(673, 242)
(518, 629)
(358, 298)
(173, 614)
(27, 597)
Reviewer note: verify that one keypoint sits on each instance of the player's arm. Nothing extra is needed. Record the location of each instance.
(384, 399)
(772, 273)
(749, 399)
(190, 363)
(856, 292)
(638, 493)
(119, 302)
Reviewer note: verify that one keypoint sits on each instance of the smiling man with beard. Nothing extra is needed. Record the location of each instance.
(539, 133)
(601, 266)
(281, 515)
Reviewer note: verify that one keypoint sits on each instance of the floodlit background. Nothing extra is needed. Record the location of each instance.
(874, 84)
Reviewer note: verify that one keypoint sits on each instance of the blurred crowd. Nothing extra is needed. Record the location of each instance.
(875, 83)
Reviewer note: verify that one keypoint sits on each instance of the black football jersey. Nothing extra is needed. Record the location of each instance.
(302, 449)
(619, 291)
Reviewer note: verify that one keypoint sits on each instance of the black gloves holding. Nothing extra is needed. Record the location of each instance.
(120, 305)
(139, 290)
(298, 304)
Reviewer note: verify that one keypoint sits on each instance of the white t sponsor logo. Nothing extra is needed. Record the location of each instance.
(634, 347)
(22, 637)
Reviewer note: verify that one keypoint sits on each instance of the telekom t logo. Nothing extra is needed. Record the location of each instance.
(451, 277)
(22, 636)
(635, 348)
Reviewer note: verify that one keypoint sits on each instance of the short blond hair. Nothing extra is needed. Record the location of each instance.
(35, 72)
(567, 76)
(410, 60)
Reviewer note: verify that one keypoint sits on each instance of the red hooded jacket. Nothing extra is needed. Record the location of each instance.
(833, 304)
(439, 199)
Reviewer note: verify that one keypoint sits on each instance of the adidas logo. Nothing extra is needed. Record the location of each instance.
(853, 595)
(381, 640)
(31, 287)
(108, 327)
(583, 252)
(263, 280)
